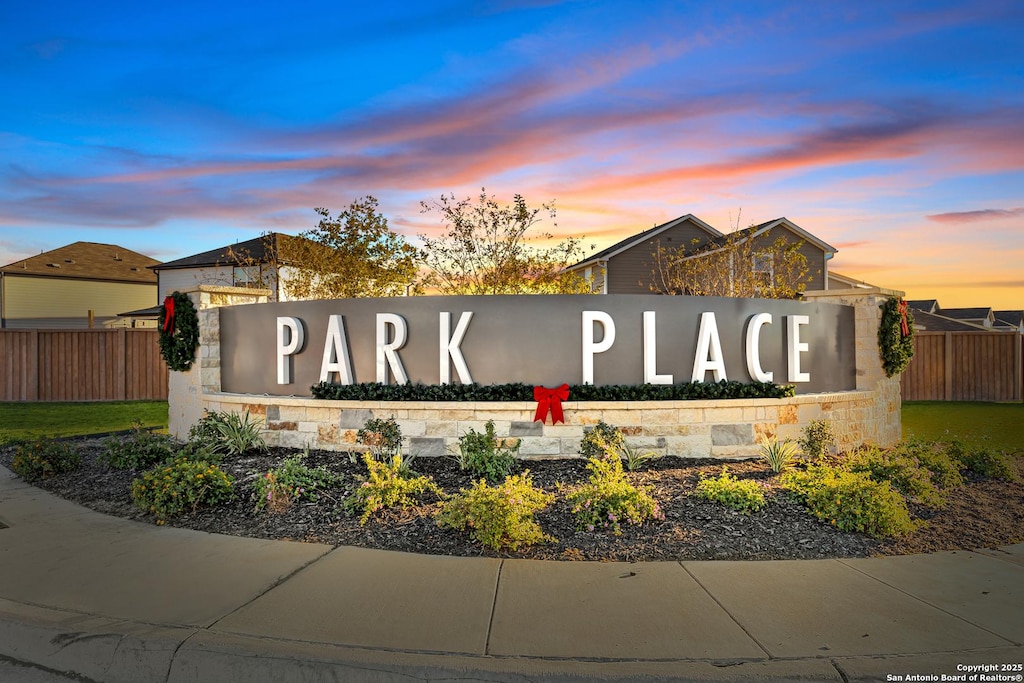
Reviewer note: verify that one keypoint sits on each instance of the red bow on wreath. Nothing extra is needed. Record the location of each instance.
(550, 400)
(902, 308)
(169, 314)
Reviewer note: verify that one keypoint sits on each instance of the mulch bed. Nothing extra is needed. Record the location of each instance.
(983, 513)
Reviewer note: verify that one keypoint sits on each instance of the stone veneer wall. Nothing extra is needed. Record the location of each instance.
(722, 429)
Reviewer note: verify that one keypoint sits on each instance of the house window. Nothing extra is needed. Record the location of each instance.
(763, 267)
(247, 276)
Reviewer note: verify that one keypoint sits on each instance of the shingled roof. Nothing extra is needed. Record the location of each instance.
(257, 250)
(87, 261)
(639, 238)
(933, 322)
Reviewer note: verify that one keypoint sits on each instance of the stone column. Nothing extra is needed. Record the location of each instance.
(185, 390)
(883, 419)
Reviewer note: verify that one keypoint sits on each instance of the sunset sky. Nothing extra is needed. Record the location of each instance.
(893, 131)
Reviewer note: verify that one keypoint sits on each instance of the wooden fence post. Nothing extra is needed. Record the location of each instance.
(121, 364)
(948, 349)
(32, 371)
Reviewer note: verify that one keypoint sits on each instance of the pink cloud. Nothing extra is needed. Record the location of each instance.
(974, 216)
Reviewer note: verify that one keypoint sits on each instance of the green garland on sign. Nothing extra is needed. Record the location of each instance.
(179, 337)
(895, 336)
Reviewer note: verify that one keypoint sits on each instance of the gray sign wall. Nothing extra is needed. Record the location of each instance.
(537, 340)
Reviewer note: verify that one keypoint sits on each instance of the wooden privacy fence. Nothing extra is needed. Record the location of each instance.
(964, 366)
(81, 365)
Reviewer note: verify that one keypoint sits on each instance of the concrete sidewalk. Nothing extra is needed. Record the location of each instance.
(113, 600)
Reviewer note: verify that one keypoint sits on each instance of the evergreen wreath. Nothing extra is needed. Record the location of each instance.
(895, 336)
(179, 332)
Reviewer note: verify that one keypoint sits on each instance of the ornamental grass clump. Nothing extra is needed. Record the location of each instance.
(609, 499)
(484, 455)
(744, 496)
(44, 457)
(498, 516)
(851, 501)
(181, 485)
(139, 450)
(281, 487)
(387, 485)
(228, 433)
(778, 454)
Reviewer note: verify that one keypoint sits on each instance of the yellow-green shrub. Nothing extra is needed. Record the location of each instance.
(851, 501)
(389, 484)
(901, 469)
(498, 516)
(609, 499)
(743, 496)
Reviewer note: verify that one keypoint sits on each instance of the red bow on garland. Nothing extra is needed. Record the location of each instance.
(550, 400)
(904, 328)
(169, 314)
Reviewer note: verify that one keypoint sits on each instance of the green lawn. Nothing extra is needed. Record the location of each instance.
(998, 425)
(25, 420)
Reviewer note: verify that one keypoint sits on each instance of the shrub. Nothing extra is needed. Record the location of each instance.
(901, 469)
(279, 488)
(609, 499)
(44, 458)
(984, 461)
(498, 516)
(180, 485)
(140, 450)
(383, 438)
(778, 455)
(817, 438)
(389, 485)
(851, 501)
(601, 438)
(743, 496)
(945, 471)
(485, 455)
(228, 433)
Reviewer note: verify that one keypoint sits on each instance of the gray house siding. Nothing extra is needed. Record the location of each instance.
(816, 266)
(631, 271)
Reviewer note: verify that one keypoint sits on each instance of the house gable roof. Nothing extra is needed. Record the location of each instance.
(846, 281)
(756, 230)
(87, 261)
(968, 314)
(926, 305)
(640, 238)
(933, 322)
(1011, 318)
(256, 250)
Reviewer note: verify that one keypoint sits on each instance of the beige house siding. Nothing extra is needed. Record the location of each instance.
(631, 271)
(185, 279)
(189, 278)
(38, 298)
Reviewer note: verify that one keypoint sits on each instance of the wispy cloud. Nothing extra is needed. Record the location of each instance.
(975, 216)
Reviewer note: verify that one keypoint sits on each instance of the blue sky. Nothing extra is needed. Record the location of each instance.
(893, 131)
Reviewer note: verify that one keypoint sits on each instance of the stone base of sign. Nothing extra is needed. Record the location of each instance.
(720, 429)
